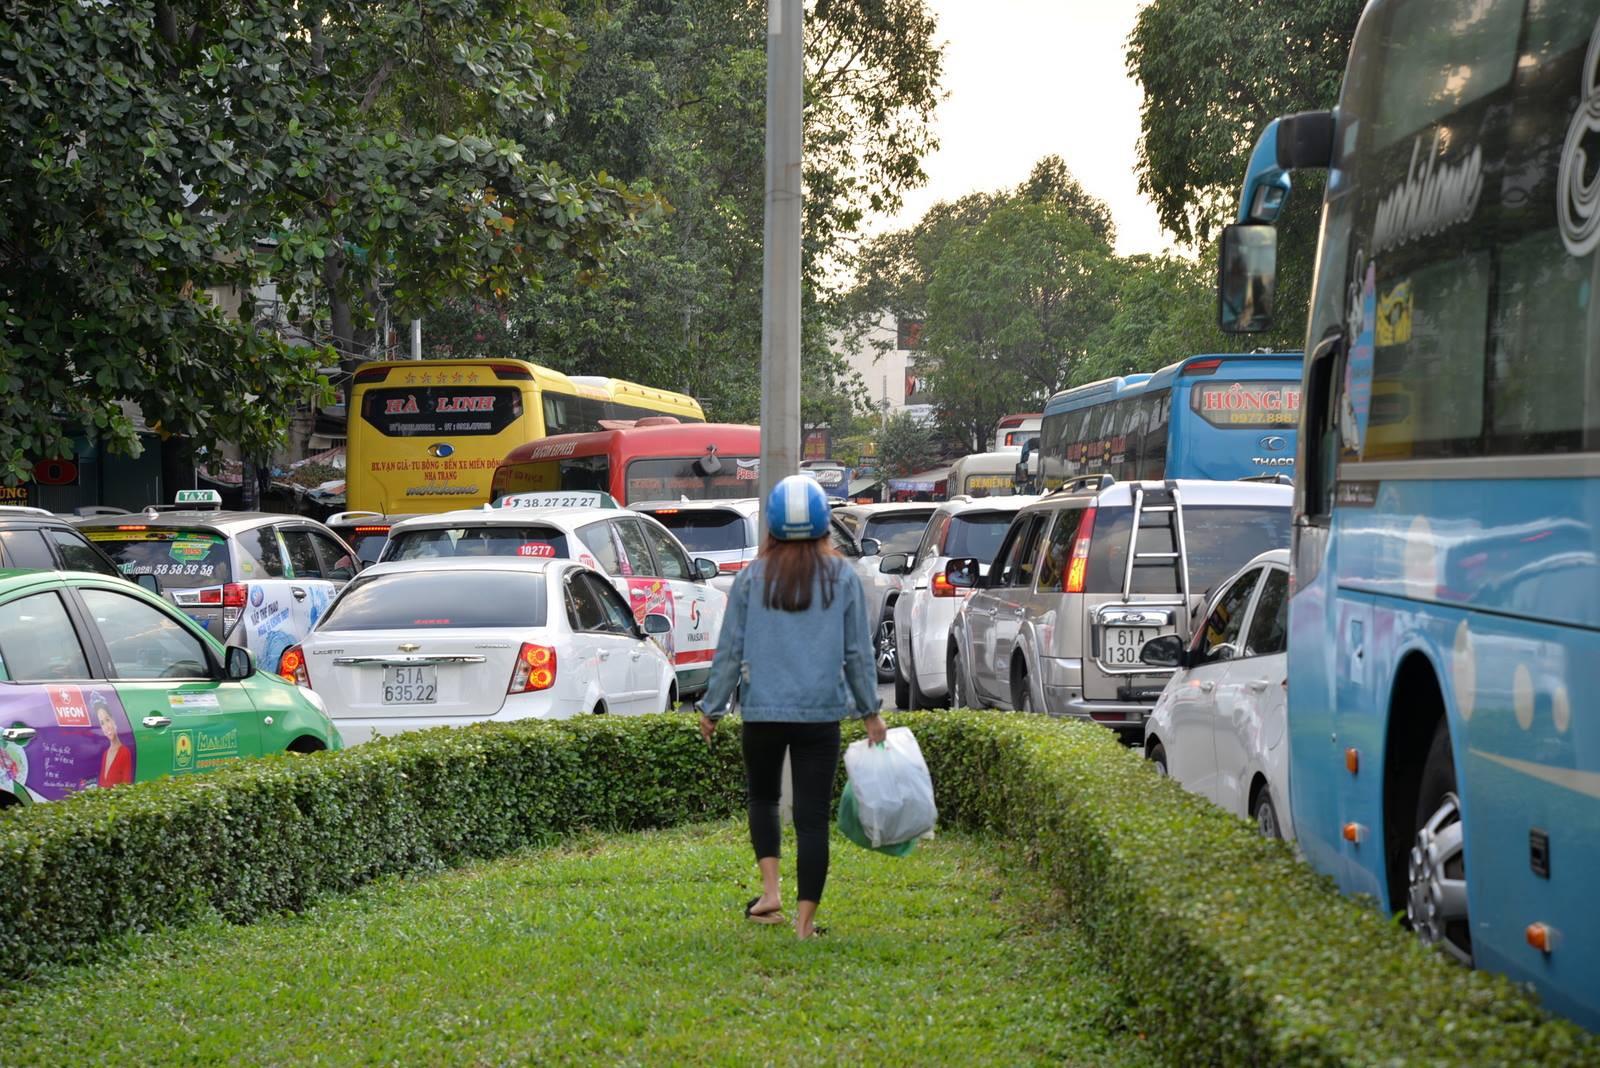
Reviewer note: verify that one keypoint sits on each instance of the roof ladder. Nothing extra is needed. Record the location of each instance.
(1167, 503)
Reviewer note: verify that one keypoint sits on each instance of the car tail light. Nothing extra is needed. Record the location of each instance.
(535, 670)
(292, 666)
(941, 586)
(729, 569)
(1078, 569)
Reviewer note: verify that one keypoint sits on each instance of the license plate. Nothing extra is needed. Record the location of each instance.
(410, 685)
(1122, 644)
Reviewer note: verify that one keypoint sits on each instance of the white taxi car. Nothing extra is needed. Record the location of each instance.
(409, 645)
(646, 564)
(1221, 726)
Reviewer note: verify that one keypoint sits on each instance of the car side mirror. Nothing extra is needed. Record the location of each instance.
(1164, 652)
(656, 623)
(895, 564)
(871, 547)
(148, 582)
(963, 573)
(238, 663)
(706, 569)
(1247, 273)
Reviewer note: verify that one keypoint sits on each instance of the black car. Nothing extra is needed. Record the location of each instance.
(34, 539)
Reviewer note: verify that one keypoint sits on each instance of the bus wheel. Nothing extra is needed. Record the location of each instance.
(1436, 903)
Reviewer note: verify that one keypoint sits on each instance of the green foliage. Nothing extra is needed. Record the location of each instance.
(1214, 73)
(627, 950)
(904, 446)
(1165, 310)
(1231, 950)
(673, 94)
(158, 149)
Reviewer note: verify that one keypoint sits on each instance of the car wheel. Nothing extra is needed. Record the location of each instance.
(1265, 813)
(600, 709)
(672, 698)
(960, 697)
(902, 691)
(1157, 755)
(1436, 903)
(919, 700)
(884, 653)
(1021, 692)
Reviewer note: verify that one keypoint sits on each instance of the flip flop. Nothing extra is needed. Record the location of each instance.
(775, 916)
(817, 931)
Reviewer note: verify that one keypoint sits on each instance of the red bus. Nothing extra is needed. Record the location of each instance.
(677, 461)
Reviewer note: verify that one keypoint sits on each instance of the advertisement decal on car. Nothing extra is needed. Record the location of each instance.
(83, 740)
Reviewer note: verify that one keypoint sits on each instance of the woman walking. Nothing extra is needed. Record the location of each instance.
(795, 644)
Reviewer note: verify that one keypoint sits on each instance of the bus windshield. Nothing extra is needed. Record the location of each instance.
(668, 478)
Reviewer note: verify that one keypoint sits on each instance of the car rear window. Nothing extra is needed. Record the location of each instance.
(706, 530)
(449, 599)
(179, 559)
(534, 540)
(368, 542)
(976, 534)
(899, 532)
(1221, 539)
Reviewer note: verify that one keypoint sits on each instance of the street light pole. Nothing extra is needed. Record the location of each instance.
(780, 275)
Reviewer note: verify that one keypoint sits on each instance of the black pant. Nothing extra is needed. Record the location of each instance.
(813, 759)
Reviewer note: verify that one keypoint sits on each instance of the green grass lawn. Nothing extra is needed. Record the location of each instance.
(629, 949)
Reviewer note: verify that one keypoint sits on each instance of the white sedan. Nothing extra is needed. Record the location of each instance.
(459, 641)
(1220, 726)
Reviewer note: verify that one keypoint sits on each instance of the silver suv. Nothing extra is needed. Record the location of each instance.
(1085, 577)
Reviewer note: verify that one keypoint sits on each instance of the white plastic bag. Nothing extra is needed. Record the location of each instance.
(892, 788)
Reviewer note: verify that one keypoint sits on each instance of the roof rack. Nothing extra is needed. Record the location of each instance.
(357, 513)
(1276, 477)
(27, 509)
(1083, 482)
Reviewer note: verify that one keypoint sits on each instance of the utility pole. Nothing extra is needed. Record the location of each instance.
(416, 339)
(780, 275)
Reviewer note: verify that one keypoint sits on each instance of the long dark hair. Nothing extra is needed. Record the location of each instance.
(791, 570)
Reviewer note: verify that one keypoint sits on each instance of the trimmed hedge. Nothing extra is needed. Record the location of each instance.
(1231, 950)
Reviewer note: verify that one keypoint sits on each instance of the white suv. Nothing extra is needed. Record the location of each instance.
(925, 605)
(723, 532)
(862, 532)
(1090, 573)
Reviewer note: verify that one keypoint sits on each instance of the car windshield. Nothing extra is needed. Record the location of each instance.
(976, 534)
(1220, 540)
(706, 530)
(449, 599)
(898, 532)
(179, 559)
(534, 540)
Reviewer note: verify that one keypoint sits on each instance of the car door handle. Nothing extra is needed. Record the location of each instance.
(1206, 686)
(637, 653)
(605, 656)
(1260, 685)
(19, 735)
(156, 721)
(299, 592)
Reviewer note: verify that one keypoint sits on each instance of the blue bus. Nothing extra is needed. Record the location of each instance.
(1217, 417)
(1445, 625)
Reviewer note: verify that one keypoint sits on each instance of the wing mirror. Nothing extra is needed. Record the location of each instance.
(238, 663)
(656, 623)
(148, 582)
(1167, 651)
(963, 573)
(871, 547)
(705, 570)
(895, 564)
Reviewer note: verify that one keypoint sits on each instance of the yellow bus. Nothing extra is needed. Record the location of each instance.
(426, 436)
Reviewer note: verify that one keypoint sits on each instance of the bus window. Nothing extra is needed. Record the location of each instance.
(1153, 452)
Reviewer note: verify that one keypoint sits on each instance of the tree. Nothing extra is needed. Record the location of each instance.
(1214, 73)
(1165, 310)
(155, 149)
(671, 93)
(904, 446)
(1013, 310)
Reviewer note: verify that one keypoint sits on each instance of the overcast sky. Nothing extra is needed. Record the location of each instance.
(1026, 78)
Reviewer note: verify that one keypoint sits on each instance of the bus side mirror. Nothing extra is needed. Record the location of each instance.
(1247, 274)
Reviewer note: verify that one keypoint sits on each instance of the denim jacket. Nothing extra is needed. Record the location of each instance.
(794, 667)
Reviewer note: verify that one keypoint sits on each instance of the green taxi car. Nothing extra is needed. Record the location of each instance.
(102, 683)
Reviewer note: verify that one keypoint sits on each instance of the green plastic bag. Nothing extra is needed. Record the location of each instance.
(850, 827)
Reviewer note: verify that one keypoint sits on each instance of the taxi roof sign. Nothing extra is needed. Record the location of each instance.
(199, 496)
(558, 499)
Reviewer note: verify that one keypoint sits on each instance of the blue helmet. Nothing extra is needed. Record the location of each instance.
(797, 510)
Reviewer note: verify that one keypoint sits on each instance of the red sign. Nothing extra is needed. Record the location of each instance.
(56, 473)
(539, 549)
(465, 404)
(71, 708)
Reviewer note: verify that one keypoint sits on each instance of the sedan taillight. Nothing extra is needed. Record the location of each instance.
(292, 667)
(535, 669)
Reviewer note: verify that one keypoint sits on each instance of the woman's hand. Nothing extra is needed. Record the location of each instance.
(877, 730)
(708, 727)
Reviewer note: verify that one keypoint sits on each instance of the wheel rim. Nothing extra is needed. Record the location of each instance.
(1159, 759)
(1267, 820)
(1437, 902)
(886, 655)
